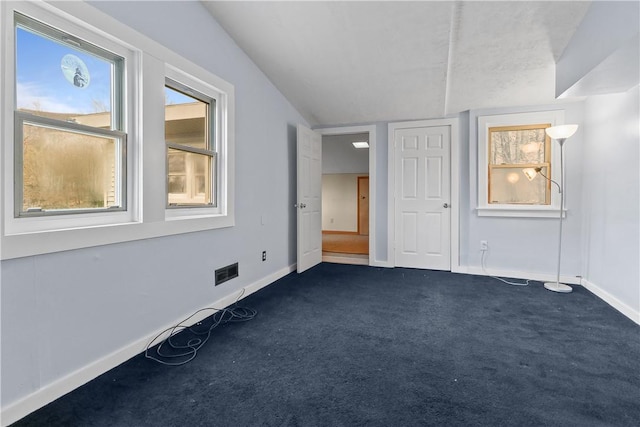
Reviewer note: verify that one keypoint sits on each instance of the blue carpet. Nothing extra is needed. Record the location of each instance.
(344, 345)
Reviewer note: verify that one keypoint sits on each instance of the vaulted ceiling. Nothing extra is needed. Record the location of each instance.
(353, 62)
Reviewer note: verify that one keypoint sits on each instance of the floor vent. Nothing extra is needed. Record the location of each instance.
(226, 273)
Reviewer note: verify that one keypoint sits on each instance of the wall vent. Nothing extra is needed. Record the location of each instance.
(226, 273)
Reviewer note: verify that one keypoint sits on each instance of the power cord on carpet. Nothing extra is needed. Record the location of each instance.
(185, 352)
(484, 270)
(484, 252)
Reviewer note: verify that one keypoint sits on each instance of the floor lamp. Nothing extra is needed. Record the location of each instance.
(560, 134)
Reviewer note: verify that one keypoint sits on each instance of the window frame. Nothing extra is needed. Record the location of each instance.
(22, 118)
(221, 137)
(147, 64)
(116, 131)
(483, 207)
(212, 121)
(546, 163)
(46, 16)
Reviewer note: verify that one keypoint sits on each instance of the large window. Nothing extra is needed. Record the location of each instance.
(69, 127)
(514, 157)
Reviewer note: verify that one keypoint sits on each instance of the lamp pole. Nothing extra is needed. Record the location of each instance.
(557, 286)
(560, 134)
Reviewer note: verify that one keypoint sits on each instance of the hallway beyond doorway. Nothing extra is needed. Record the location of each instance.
(348, 243)
(345, 248)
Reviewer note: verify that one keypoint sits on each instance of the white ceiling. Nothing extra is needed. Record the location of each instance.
(351, 62)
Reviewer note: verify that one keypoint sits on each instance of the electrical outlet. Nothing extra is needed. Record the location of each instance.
(484, 245)
(264, 255)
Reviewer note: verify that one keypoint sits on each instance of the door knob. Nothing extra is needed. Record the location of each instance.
(446, 205)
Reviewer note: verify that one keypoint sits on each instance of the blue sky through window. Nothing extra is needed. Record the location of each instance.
(41, 84)
(173, 97)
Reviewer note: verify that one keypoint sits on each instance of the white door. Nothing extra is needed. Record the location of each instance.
(309, 204)
(422, 197)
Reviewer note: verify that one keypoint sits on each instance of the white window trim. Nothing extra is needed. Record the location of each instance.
(145, 217)
(483, 208)
(17, 226)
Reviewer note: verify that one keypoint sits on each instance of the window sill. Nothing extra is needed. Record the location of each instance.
(49, 241)
(180, 213)
(520, 211)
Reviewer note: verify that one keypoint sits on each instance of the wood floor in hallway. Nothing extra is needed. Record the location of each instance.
(345, 243)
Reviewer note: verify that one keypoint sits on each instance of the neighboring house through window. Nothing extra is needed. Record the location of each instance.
(190, 138)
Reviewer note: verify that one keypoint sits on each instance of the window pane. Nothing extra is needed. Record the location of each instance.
(186, 120)
(68, 170)
(200, 165)
(57, 80)
(189, 180)
(517, 146)
(177, 184)
(201, 184)
(510, 185)
(177, 162)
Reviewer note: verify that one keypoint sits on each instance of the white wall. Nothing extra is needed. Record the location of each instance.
(611, 198)
(340, 156)
(64, 311)
(526, 245)
(602, 55)
(516, 245)
(340, 202)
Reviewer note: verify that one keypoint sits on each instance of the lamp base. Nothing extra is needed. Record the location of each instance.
(558, 287)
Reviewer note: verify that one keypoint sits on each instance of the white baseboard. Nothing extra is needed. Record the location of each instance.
(345, 260)
(540, 277)
(384, 264)
(571, 280)
(50, 392)
(612, 301)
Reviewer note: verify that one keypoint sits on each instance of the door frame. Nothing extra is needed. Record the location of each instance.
(371, 129)
(453, 124)
(360, 178)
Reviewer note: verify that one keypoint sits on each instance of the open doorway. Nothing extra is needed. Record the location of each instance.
(345, 198)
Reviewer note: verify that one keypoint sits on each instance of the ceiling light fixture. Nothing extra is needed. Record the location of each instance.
(361, 144)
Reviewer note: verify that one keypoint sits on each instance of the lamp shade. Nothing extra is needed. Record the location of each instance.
(562, 131)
